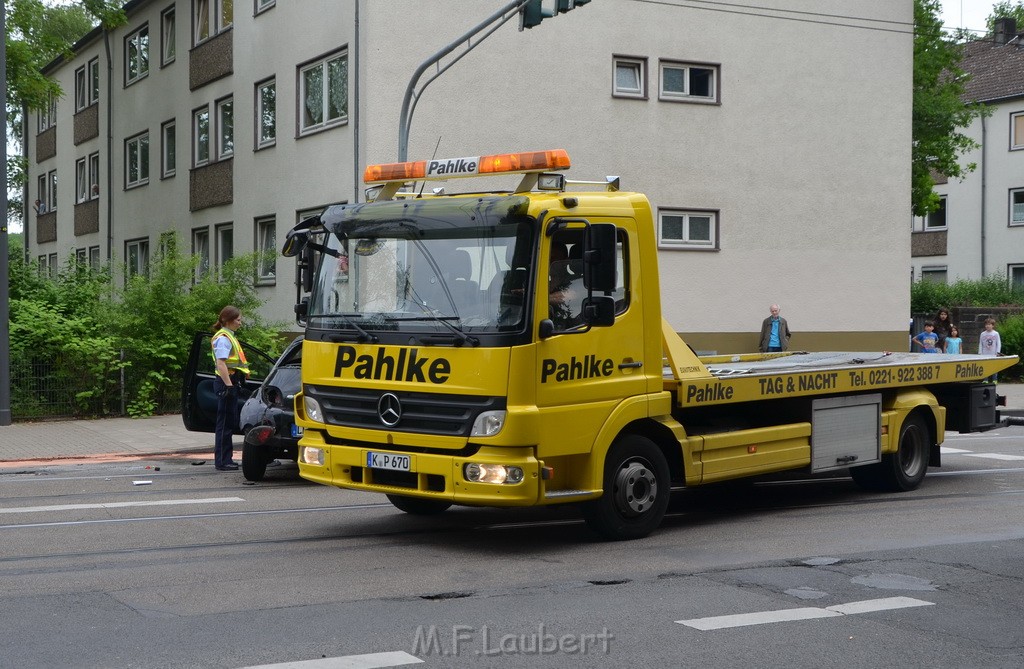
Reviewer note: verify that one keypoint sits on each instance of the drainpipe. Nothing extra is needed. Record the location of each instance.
(354, 109)
(983, 185)
(110, 146)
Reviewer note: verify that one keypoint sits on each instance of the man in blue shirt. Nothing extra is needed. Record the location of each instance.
(774, 332)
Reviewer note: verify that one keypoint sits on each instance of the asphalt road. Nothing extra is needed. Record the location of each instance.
(195, 569)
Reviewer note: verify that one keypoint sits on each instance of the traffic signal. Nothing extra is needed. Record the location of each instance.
(531, 14)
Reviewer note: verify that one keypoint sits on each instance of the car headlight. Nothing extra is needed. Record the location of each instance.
(488, 424)
(312, 409)
(479, 472)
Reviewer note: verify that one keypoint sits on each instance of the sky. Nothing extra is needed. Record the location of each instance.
(969, 14)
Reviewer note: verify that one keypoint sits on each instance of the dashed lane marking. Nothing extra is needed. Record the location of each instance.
(805, 613)
(119, 505)
(370, 661)
(946, 450)
(994, 456)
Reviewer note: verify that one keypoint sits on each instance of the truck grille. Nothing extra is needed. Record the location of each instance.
(423, 413)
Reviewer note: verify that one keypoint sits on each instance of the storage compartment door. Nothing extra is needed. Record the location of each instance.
(845, 431)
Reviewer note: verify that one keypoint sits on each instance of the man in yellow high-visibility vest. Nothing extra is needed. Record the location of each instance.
(232, 370)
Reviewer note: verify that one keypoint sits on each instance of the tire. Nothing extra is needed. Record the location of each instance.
(254, 462)
(903, 470)
(636, 490)
(418, 506)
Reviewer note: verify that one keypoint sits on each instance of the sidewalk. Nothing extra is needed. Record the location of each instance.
(159, 435)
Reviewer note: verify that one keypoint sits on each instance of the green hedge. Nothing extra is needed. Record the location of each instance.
(87, 345)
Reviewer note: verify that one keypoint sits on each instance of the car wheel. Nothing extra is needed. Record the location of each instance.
(903, 470)
(254, 462)
(636, 490)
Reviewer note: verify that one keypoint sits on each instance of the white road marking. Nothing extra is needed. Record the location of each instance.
(119, 505)
(806, 613)
(994, 456)
(946, 449)
(370, 661)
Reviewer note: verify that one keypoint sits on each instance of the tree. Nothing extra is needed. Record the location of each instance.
(940, 110)
(1006, 9)
(36, 34)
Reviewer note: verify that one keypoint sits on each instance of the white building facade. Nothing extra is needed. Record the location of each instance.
(979, 231)
(774, 145)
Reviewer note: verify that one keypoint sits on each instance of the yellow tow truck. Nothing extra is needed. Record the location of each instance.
(508, 349)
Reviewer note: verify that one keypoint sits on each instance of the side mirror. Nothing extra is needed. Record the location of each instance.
(294, 243)
(301, 311)
(599, 262)
(306, 268)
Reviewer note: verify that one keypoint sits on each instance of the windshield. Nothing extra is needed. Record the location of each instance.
(434, 267)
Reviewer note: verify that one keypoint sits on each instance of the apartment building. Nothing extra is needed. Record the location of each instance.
(979, 230)
(773, 144)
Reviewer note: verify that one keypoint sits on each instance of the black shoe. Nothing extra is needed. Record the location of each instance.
(228, 468)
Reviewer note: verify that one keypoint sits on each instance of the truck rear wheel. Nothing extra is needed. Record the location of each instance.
(636, 490)
(418, 506)
(903, 470)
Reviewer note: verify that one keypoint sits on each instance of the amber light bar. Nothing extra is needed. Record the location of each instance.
(448, 168)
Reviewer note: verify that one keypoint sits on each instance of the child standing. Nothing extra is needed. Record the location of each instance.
(953, 341)
(989, 343)
(927, 340)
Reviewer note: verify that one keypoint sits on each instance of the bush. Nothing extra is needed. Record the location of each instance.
(1011, 333)
(926, 296)
(76, 335)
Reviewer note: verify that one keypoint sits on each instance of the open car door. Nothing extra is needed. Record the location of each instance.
(198, 399)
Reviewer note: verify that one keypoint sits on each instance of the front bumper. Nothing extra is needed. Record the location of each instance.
(432, 476)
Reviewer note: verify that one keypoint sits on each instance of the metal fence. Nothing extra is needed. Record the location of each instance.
(65, 386)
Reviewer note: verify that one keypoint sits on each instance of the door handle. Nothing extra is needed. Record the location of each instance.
(631, 365)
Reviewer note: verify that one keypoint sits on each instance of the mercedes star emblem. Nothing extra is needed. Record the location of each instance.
(389, 408)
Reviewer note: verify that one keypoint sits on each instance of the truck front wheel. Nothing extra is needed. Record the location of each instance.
(636, 490)
(418, 506)
(903, 470)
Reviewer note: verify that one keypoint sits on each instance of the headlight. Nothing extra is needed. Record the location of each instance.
(312, 456)
(488, 424)
(478, 472)
(312, 408)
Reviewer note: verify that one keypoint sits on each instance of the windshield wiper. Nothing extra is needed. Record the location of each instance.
(363, 335)
(460, 336)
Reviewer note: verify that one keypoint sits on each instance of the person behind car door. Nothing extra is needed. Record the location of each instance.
(232, 370)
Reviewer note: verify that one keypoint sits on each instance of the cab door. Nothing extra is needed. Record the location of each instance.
(198, 399)
(584, 372)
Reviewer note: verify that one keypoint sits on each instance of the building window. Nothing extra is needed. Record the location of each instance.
(211, 18)
(936, 220)
(688, 82)
(136, 160)
(94, 258)
(687, 229)
(1017, 130)
(629, 77)
(201, 136)
(81, 180)
(87, 85)
(262, 5)
(225, 244)
(167, 150)
(167, 33)
(201, 250)
(136, 55)
(934, 274)
(266, 114)
(1017, 206)
(1016, 276)
(87, 178)
(323, 93)
(94, 175)
(48, 115)
(225, 129)
(51, 196)
(136, 252)
(81, 257)
(266, 247)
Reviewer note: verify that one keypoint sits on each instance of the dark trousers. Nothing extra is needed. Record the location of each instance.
(227, 422)
(775, 349)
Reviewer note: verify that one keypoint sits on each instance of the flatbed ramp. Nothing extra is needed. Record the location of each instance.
(750, 377)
